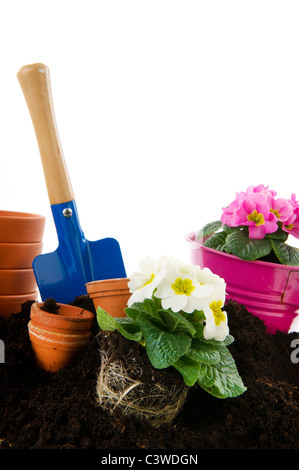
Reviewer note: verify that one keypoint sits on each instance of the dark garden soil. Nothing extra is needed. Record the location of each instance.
(44, 410)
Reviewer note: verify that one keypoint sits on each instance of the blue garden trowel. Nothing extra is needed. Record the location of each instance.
(77, 261)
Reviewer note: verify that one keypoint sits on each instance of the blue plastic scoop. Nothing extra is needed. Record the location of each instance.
(77, 261)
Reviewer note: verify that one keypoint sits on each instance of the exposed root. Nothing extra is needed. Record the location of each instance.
(118, 388)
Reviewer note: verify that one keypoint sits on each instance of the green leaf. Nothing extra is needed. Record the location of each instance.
(151, 307)
(135, 309)
(228, 229)
(188, 368)
(129, 329)
(125, 326)
(203, 352)
(105, 321)
(163, 348)
(196, 316)
(199, 327)
(217, 241)
(239, 244)
(147, 309)
(175, 321)
(209, 228)
(221, 380)
(278, 235)
(286, 254)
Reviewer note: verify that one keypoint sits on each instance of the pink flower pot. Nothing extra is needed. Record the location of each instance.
(268, 290)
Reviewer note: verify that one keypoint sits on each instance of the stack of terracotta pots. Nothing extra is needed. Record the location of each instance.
(21, 236)
(57, 338)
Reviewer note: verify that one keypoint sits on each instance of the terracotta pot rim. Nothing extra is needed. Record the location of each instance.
(70, 313)
(21, 244)
(16, 215)
(15, 271)
(19, 255)
(6, 297)
(191, 238)
(21, 227)
(108, 293)
(17, 281)
(112, 285)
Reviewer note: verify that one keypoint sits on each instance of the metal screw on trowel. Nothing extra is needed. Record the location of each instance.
(67, 212)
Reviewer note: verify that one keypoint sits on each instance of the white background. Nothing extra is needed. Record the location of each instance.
(165, 110)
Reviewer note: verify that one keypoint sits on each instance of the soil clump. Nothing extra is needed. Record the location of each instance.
(50, 306)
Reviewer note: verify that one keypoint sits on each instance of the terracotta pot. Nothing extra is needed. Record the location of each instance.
(18, 255)
(111, 295)
(21, 227)
(57, 339)
(17, 281)
(268, 290)
(12, 303)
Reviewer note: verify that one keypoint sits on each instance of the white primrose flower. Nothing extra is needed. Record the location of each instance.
(206, 277)
(216, 326)
(179, 289)
(143, 283)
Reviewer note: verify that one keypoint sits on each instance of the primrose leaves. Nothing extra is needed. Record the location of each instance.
(239, 244)
(175, 321)
(209, 228)
(188, 368)
(221, 380)
(163, 348)
(125, 326)
(105, 321)
(285, 253)
(217, 241)
(202, 352)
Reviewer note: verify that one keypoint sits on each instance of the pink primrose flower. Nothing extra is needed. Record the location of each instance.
(255, 213)
(282, 208)
(262, 190)
(228, 215)
(260, 210)
(291, 225)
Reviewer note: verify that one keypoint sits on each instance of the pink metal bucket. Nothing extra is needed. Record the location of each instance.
(268, 290)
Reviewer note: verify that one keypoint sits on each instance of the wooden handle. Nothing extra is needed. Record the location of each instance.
(36, 86)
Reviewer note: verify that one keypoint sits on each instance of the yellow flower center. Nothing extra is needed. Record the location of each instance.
(275, 212)
(217, 312)
(289, 227)
(256, 217)
(149, 281)
(181, 286)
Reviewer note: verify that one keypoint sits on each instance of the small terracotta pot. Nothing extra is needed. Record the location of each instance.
(111, 295)
(57, 339)
(17, 281)
(19, 255)
(21, 227)
(12, 303)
